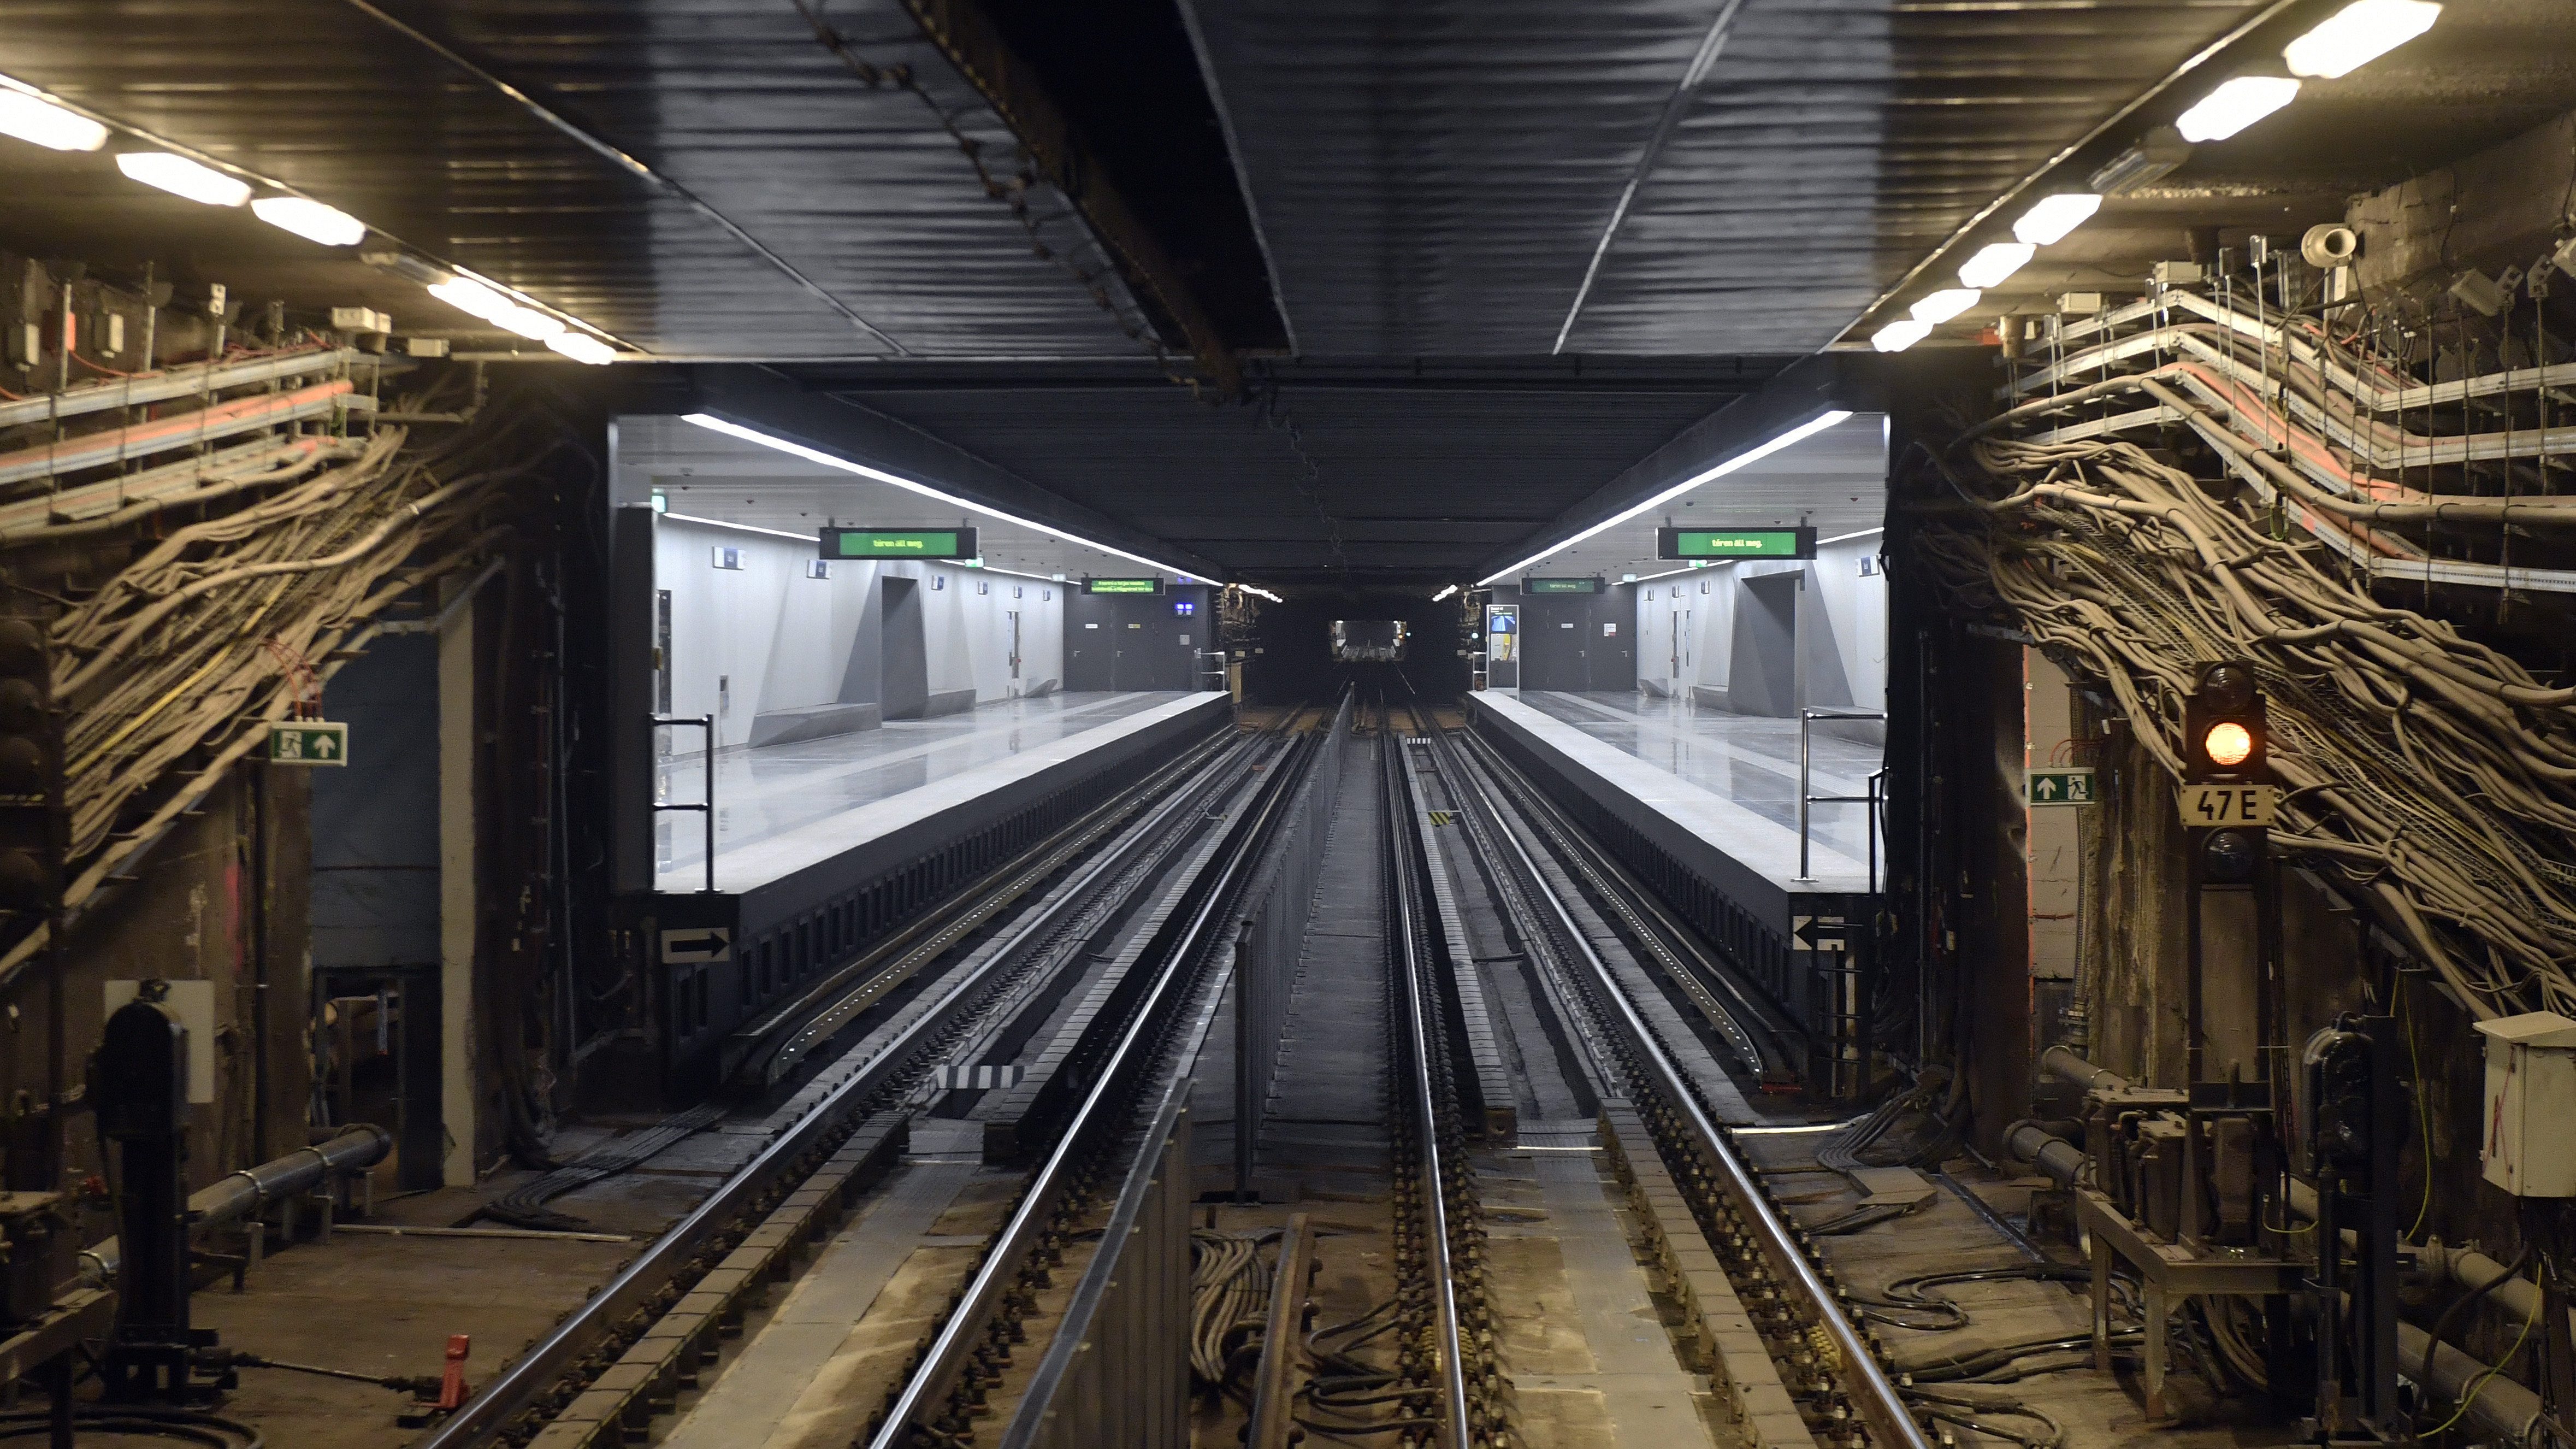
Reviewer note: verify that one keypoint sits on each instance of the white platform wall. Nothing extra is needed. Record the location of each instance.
(1845, 616)
(765, 637)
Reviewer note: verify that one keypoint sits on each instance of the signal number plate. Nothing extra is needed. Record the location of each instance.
(2211, 806)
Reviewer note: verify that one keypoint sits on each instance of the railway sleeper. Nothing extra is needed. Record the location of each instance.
(645, 1381)
(1738, 1361)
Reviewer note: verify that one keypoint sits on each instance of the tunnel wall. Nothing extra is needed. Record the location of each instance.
(1843, 610)
(749, 643)
(1290, 648)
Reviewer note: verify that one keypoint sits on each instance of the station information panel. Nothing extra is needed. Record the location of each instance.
(1591, 585)
(1715, 543)
(1152, 585)
(939, 543)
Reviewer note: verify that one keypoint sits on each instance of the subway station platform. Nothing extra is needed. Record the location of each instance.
(1703, 806)
(823, 847)
(1727, 780)
(781, 808)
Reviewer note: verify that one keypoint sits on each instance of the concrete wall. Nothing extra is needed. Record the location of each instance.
(1844, 614)
(766, 638)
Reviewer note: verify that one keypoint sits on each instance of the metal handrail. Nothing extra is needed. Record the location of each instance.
(706, 805)
(1806, 723)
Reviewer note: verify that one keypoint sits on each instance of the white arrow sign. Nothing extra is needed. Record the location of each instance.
(689, 944)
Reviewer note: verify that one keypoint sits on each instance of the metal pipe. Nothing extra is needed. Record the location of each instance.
(2066, 1062)
(1806, 799)
(357, 1147)
(2044, 1149)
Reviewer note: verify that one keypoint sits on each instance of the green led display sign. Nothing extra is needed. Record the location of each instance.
(1561, 586)
(1152, 585)
(947, 543)
(1699, 543)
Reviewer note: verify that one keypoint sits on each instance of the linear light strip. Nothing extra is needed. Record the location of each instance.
(716, 424)
(1798, 434)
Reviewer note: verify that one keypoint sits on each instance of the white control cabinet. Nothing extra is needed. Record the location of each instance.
(2527, 1147)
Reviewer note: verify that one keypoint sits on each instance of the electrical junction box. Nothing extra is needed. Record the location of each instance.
(2530, 1099)
(361, 319)
(2179, 274)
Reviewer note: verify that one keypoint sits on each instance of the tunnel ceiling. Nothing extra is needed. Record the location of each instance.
(1660, 182)
(1339, 474)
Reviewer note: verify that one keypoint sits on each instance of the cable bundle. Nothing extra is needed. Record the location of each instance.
(173, 669)
(2436, 774)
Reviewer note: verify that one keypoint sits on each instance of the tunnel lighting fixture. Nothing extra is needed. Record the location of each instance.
(471, 298)
(182, 177)
(2234, 106)
(1445, 591)
(2052, 217)
(42, 123)
(2358, 34)
(1898, 336)
(582, 347)
(528, 322)
(1941, 306)
(1992, 264)
(2154, 158)
(311, 220)
(715, 424)
(1747, 458)
(1260, 593)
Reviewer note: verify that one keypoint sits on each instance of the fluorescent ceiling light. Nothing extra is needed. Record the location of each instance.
(1264, 593)
(716, 424)
(2358, 34)
(582, 347)
(310, 220)
(471, 298)
(1898, 336)
(1942, 306)
(2052, 217)
(1992, 264)
(2234, 106)
(528, 322)
(182, 177)
(1445, 591)
(45, 124)
(1798, 434)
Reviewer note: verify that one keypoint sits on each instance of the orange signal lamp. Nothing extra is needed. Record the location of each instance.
(2228, 744)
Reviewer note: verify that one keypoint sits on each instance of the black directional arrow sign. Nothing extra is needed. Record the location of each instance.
(1818, 933)
(696, 943)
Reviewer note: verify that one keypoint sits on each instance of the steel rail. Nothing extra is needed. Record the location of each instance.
(490, 1410)
(1864, 1378)
(1406, 932)
(1208, 897)
(1271, 1422)
(1782, 1044)
(771, 1047)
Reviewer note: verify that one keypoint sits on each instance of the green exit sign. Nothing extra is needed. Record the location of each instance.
(1152, 585)
(1561, 586)
(2058, 787)
(948, 543)
(1735, 543)
(308, 742)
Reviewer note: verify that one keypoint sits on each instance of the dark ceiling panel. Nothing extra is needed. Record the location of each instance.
(1835, 142)
(1418, 474)
(858, 190)
(1432, 175)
